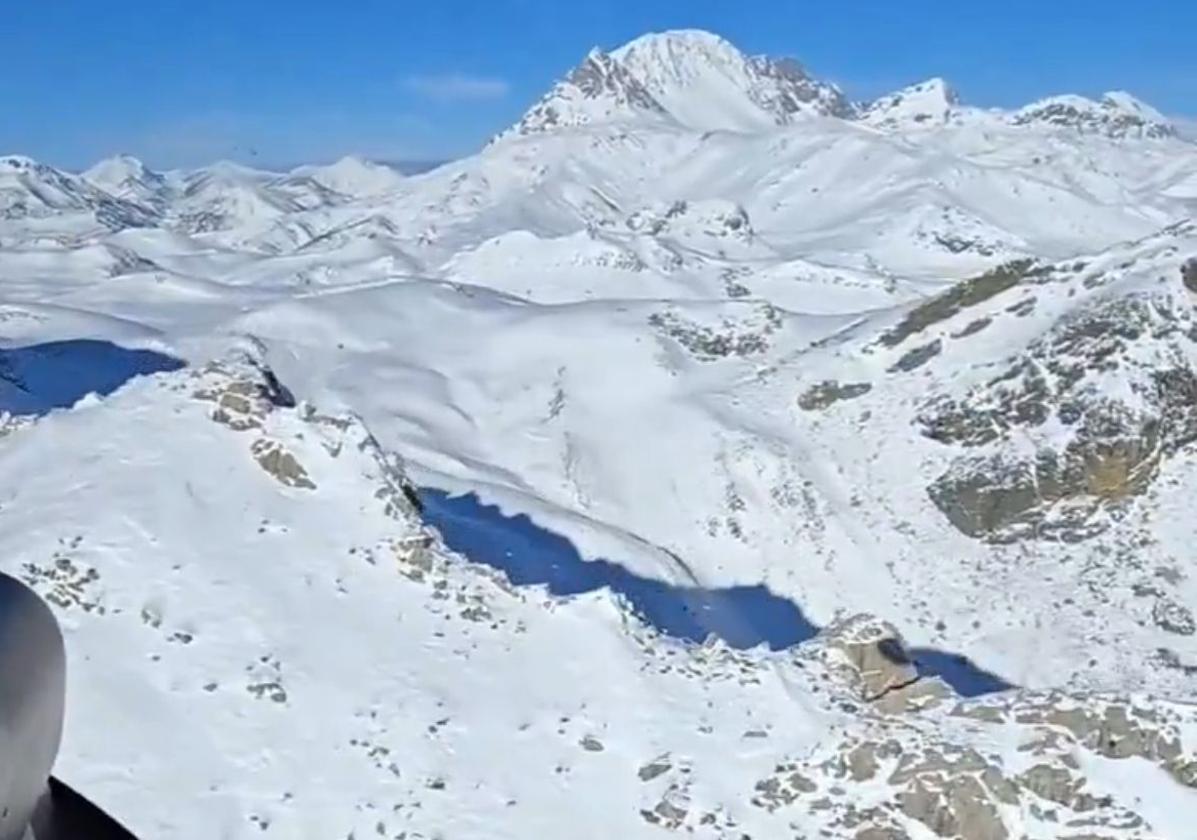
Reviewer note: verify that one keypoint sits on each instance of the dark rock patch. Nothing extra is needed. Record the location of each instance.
(827, 393)
(962, 296)
(1188, 275)
(917, 357)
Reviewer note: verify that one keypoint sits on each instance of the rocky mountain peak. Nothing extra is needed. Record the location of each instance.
(687, 77)
(930, 103)
(678, 57)
(700, 81)
(709, 84)
(1117, 115)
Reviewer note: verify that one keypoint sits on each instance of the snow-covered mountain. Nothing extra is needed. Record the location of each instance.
(227, 196)
(708, 84)
(31, 192)
(689, 78)
(702, 82)
(1116, 114)
(353, 176)
(126, 177)
(930, 104)
(401, 505)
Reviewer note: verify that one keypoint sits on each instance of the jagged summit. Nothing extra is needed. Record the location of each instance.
(689, 78)
(707, 83)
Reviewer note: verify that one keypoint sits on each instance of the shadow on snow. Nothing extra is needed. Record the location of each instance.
(40, 377)
(743, 616)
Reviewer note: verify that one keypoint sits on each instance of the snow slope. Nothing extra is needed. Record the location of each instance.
(300, 657)
(695, 316)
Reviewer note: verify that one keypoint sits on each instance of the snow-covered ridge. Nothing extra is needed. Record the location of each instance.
(692, 78)
(702, 82)
(31, 190)
(1116, 114)
(225, 196)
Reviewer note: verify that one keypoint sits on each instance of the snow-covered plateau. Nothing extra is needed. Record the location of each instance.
(709, 456)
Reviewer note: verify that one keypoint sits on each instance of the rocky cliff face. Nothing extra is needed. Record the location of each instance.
(597, 90)
(1110, 392)
(1057, 439)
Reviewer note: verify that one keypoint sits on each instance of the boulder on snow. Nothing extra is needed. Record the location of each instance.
(872, 655)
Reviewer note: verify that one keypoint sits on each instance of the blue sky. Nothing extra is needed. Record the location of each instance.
(273, 82)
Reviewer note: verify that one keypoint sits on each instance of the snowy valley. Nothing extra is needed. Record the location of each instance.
(710, 455)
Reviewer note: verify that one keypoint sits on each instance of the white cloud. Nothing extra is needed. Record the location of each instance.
(457, 87)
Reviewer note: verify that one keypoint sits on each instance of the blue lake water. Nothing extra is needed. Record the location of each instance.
(743, 616)
(37, 378)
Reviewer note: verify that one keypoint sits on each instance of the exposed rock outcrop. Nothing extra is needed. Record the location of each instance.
(871, 656)
(247, 396)
(1107, 395)
(961, 297)
(1116, 114)
(825, 394)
